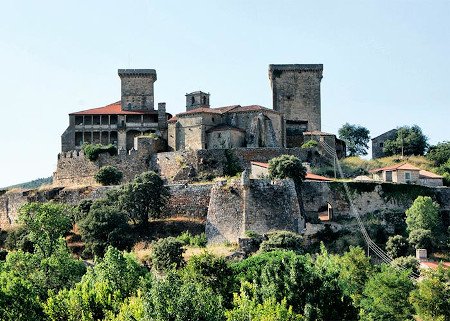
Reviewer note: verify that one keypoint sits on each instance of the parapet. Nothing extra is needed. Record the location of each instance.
(137, 72)
(296, 67)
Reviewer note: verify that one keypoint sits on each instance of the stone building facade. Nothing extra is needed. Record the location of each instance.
(119, 123)
(378, 143)
(226, 127)
(296, 94)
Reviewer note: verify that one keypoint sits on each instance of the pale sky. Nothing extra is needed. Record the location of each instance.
(386, 63)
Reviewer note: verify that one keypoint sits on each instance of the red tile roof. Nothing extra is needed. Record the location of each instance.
(112, 109)
(309, 176)
(226, 109)
(314, 177)
(427, 174)
(404, 166)
(265, 165)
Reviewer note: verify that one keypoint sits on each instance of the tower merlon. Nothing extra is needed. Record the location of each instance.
(137, 72)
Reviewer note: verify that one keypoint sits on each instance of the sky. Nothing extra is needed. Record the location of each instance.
(386, 63)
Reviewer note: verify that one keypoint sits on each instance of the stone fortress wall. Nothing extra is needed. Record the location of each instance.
(197, 201)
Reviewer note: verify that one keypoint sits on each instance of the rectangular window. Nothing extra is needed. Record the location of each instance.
(388, 176)
(407, 177)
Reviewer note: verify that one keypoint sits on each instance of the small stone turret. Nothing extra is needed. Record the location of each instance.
(197, 99)
(137, 89)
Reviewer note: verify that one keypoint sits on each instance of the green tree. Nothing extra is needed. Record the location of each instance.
(440, 153)
(101, 292)
(385, 296)
(167, 253)
(397, 246)
(214, 272)
(175, 299)
(105, 224)
(287, 166)
(406, 262)
(431, 299)
(356, 138)
(354, 271)
(421, 239)
(144, 197)
(281, 275)
(246, 307)
(423, 214)
(18, 299)
(45, 223)
(55, 272)
(282, 240)
(108, 175)
(409, 141)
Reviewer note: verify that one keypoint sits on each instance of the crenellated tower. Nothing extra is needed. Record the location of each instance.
(296, 93)
(137, 91)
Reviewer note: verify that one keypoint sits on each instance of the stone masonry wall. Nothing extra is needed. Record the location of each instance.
(189, 201)
(367, 197)
(251, 205)
(188, 164)
(73, 168)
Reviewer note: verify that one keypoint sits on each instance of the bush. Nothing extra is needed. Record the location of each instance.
(287, 166)
(91, 151)
(406, 262)
(193, 240)
(167, 253)
(108, 175)
(282, 240)
(310, 144)
(397, 246)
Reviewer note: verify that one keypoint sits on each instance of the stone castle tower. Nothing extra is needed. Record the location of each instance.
(296, 93)
(137, 89)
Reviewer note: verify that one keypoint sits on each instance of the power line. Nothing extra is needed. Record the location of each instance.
(371, 245)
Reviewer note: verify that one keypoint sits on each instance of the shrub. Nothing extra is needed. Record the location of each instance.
(397, 246)
(282, 240)
(18, 239)
(406, 262)
(194, 240)
(104, 225)
(310, 144)
(167, 253)
(287, 166)
(108, 175)
(91, 151)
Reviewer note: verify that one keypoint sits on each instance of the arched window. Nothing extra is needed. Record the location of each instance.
(192, 100)
(204, 100)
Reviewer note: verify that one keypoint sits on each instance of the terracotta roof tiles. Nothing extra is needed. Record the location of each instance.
(112, 109)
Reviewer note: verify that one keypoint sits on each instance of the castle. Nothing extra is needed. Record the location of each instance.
(295, 118)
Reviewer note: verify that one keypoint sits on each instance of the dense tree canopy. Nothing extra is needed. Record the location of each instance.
(408, 141)
(386, 296)
(439, 153)
(356, 138)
